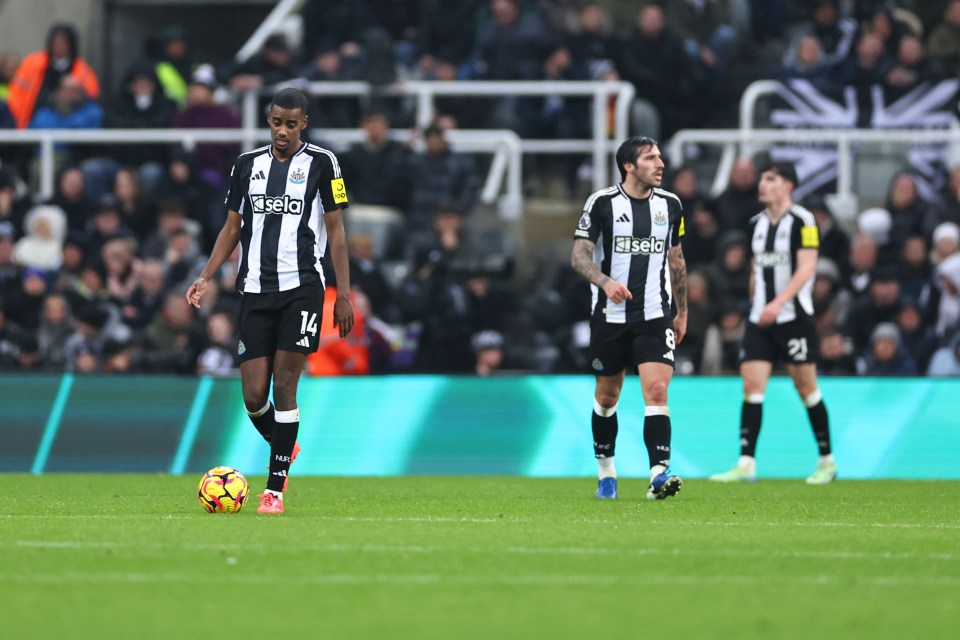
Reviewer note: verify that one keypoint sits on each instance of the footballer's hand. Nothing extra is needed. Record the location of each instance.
(680, 326)
(195, 292)
(616, 291)
(769, 314)
(343, 315)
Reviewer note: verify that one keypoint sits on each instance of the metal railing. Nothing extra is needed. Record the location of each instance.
(504, 176)
(599, 145)
(747, 140)
(844, 202)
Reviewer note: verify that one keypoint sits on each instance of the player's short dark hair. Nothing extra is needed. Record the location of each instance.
(289, 98)
(628, 152)
(785, 170)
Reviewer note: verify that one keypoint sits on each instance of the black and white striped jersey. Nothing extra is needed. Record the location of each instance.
(282, 204)
(774, 250)
(632, 238)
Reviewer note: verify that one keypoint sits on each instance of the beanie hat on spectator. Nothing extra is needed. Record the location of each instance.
(876, 223)
(488, 339)
(886, 330)
(31, 272)
(276, 42)
(206, 76)
(113, 346)
(93, 315)
(827, 268)
(884, 274)
(173, 33)
(946, 231)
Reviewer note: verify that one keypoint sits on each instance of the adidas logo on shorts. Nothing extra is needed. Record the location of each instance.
(304, 342)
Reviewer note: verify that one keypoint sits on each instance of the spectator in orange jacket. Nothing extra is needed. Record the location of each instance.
(338, 356)
(39, 74)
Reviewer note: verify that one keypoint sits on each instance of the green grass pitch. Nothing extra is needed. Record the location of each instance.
(121, 556)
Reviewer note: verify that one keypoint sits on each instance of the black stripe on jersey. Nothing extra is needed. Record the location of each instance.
(306, 239)
(272, 225)
(639, 268)
(664, 298)
(769, 280)
(246, 231)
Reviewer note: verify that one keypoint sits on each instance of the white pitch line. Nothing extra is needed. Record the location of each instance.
(363, 579)
(510, 520)
(515, 550)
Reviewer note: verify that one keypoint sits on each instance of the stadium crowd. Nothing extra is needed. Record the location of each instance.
(92, 280)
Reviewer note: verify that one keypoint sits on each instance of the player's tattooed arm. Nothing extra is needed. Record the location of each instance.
(582, 262)
(678, 277)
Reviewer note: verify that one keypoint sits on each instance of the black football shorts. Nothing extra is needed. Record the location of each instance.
(614, 347)
(794, 342)
(285, 320)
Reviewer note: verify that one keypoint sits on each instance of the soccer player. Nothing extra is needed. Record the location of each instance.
(784, 245)
(285, 202)
(627, 239)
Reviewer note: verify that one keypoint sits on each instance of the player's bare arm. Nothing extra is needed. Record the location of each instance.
(226, 242)
(806, 267)
(582, 262)
(342, 307)
(678, 278)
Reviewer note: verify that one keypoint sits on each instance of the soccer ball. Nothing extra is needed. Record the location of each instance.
(223, 490)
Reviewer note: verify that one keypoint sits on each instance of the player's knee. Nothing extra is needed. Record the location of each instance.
(752, 387)
(805, 387)
(254, 403)
(657, 394)
(607, 399)
(254, 396)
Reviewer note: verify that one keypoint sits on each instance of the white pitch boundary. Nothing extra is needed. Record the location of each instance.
(362, 579)
(516, 550)
(511, 520)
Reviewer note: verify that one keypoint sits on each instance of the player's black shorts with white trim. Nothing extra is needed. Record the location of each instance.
(284, 320)
(794, 342)
(614, 347)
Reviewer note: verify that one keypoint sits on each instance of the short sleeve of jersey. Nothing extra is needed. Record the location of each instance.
(236, 191)
(809, 236)
(676, 218)
(333, 192)
(590, 223)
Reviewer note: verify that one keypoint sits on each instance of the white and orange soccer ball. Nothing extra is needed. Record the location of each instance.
(223, 490)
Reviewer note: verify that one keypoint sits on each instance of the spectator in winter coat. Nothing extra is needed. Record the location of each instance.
(946, 360)
(887, 356)
(40, 74)
(42, 247)
(202, 112)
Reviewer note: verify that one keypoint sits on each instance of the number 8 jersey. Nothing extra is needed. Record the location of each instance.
(632, 238)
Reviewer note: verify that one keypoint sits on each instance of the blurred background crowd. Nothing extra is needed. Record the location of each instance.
(92, 279)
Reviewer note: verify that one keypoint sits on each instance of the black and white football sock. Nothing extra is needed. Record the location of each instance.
(819, 421)
(656, 435)
(605, 427)
(281, 448)
(263, 420)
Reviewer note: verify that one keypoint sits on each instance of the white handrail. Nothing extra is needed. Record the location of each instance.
(843, 138)
(751, 95)
(599, 145)
(270, 24)
(504, 144)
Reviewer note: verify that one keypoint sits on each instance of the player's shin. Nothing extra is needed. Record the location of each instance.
(605, 427)
(656, 436)
(819, 421)
(263, 420)
(751, 415)
(281, 448)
